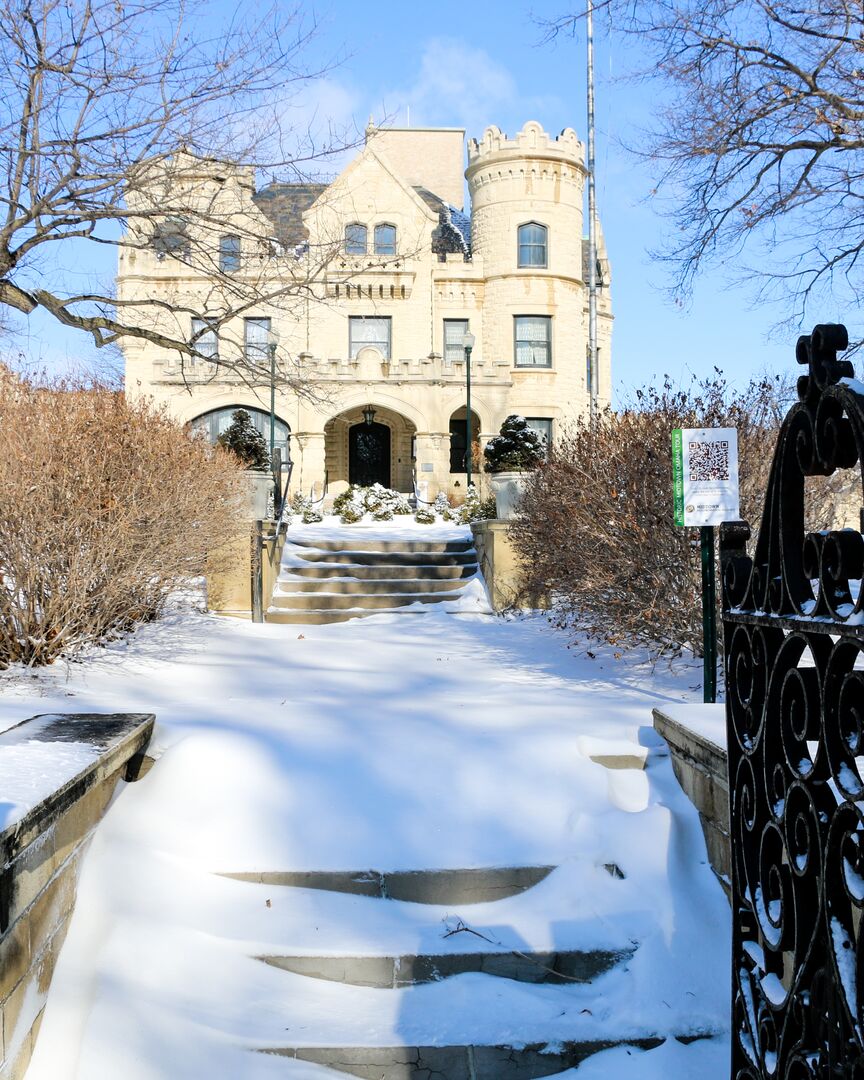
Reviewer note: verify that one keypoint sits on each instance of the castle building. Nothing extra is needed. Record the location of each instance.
(363, 291)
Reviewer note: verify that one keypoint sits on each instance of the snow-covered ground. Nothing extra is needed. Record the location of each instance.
(389, 743)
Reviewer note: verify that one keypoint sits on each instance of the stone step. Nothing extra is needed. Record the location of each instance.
(358, 543)
(457, 1062)
(286, 585)
(385, 558)
(394, 972)
(328, 601)
(445, 887)
(382, 571)
(320, 617)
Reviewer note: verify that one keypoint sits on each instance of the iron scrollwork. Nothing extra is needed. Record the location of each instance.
(793, 620)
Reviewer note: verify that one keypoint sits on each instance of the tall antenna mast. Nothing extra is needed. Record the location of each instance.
(593, 375)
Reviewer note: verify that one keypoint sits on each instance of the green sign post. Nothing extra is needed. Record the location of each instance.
(705, 493)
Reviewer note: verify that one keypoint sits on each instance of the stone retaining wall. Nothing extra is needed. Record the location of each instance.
(40, 858)
(701, 766)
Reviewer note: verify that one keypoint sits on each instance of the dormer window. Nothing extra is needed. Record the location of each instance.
(385, 239)
(355, 239)
(229, 254)
(533, 242)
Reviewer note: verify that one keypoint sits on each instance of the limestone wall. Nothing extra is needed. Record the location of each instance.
(40, 859)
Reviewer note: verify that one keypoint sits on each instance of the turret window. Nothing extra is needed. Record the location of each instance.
(533, 242)
(355, 239)
(229, 254)
(533, 341)
(385, 239)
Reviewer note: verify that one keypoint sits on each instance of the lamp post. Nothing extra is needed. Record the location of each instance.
(272, 342)
(468, 344)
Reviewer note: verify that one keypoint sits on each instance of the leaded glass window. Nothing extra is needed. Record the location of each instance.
(256, 339)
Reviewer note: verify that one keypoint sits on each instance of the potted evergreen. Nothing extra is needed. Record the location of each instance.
(246, 442)
(511, 454)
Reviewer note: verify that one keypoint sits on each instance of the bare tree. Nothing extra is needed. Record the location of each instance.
(759, 137)
(115, 117)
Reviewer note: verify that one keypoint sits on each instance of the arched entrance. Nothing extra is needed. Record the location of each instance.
(369, 454)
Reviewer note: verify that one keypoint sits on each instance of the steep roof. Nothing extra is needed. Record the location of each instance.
(284, 205)
(453, 232)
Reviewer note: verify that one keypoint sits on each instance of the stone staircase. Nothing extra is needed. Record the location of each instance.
(451, 1029)
(323, 581)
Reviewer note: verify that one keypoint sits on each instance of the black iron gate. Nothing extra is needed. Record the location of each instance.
(793, 620)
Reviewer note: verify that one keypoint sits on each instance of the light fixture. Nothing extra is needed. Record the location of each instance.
(468, 340)
(369, 415)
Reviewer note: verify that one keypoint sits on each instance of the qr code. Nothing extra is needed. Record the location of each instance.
(709, 461)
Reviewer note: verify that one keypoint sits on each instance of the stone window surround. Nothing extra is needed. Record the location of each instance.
(355, 242)
(519, 245)
(466, 324)
(532, 367)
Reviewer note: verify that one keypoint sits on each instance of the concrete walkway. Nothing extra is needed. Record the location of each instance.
(382, 746)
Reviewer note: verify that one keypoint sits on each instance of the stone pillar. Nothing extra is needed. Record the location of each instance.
(309, 468)
(432, 464)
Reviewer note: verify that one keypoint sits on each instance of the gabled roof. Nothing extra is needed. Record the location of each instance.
(368, 154)
(284, 205)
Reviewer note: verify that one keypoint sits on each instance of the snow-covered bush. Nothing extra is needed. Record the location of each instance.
(381, 502)
(311, 515)
(424, 516)
(473, 509)
(442, 506)
(245, 441)
(516, 449)
(350, 511)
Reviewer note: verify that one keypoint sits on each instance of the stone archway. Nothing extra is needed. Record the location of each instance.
(384, 451)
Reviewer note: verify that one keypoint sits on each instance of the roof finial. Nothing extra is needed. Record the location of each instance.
(370, 127)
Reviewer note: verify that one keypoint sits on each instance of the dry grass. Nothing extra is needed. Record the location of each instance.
(105, 506)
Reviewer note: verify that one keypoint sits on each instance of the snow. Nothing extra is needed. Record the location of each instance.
(707, 721)
(31, 770)
(390, 744)
(402, 527)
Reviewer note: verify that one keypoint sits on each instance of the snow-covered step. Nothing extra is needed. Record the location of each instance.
(457, 1062)
(414, 969)
(376, 571)
(405, 546)
(474, 885)
(289, 584)
(327, 601)
(377, 558)
(330, 580)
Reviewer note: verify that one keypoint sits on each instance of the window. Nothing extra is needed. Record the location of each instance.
(256, 339)
(533, 245)
(205, 338)
(385, 239)
(355, 239)
(533, 340)
(229, 254)
(454, 334)
(363, 332)
(542, 426)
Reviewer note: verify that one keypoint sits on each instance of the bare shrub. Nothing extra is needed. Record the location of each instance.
(105, 506)
(597, 536)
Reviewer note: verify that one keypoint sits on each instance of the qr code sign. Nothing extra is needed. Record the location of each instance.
(709, 461)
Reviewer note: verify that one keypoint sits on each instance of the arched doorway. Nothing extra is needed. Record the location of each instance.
(212, 424)
(369, 454)
(459, 441)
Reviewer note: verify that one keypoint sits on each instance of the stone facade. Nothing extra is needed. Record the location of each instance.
(369, 325)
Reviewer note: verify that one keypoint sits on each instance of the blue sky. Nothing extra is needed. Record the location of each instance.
(470, 65)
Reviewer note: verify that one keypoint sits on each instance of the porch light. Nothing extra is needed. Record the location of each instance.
(468, 340)
(369, 415)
